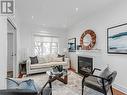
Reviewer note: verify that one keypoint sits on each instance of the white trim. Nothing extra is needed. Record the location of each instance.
(15, 45)
(120, 88)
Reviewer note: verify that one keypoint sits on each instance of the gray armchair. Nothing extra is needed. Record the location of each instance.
(90, 80)
(26, 87)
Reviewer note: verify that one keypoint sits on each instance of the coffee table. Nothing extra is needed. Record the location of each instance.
(61, 76)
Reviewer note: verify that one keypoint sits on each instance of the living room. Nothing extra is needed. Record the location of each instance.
(44, 24)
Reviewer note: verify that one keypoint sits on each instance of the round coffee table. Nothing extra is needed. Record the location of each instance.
(61, 76)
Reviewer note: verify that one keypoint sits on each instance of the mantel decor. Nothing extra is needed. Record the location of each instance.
(117, 39)
(88, 40)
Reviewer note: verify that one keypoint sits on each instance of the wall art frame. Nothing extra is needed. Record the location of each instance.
(117, 39)
(72, 45)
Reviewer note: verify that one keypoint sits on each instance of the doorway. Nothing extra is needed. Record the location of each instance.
(11, 50)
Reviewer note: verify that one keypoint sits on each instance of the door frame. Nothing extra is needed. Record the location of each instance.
(14, 46)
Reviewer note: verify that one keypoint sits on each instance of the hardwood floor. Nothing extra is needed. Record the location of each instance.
(117, 92)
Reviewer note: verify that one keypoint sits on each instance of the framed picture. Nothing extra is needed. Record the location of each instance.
(117, 39)
(72, 45)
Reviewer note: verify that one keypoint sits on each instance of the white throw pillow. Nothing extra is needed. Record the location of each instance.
(51, 57)
(57, 59)
(48, 58)
(42, 60)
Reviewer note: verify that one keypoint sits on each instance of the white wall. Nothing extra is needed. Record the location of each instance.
(26, 34)
(3, 51)
(113, 15)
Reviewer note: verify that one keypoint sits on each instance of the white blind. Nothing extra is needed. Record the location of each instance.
(45, 39)
(44, 45)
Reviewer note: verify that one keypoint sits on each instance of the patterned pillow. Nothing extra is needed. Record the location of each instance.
(58, 59)
(18, 84)
(34, 60)
(63, 56)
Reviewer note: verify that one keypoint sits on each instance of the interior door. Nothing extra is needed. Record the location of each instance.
(10, 52)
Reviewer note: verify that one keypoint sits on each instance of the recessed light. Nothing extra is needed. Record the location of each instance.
(43, 24)
(64, 26)
(32, 17)
(76, 9)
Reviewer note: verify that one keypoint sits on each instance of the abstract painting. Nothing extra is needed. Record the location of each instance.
(72, 45)
(117, 39)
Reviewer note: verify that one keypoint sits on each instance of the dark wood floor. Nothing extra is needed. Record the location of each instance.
(117, 92)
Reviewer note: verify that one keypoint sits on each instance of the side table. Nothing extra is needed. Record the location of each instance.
(22, 69)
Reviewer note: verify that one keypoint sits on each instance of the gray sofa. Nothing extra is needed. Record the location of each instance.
(45, 64)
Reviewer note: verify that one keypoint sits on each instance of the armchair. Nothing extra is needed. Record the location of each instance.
(26, 87)
(90, 80)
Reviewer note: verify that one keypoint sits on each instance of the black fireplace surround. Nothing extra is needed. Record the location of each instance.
(84, 64)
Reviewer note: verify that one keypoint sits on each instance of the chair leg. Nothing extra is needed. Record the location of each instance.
(50, 85)
(83, 85)
(82, 89)
(111, 90)
(105, 93)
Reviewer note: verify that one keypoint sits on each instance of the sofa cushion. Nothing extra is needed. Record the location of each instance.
(58, 63)
(57, 59)
(47, 65)
(34, 60)
(42, 60)
(105, 73)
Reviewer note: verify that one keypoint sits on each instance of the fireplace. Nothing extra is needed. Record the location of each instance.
(84, 64)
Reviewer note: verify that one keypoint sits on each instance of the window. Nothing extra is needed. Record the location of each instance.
(45, 45)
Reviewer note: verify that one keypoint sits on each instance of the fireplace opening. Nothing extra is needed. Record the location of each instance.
(85, 64)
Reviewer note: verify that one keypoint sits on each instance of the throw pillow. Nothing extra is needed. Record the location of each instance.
(63, 56)
(105, 73)
(41, 60)
(34, 60)
(26, 84)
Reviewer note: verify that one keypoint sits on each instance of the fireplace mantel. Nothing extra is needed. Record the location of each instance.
(95, 54)
(89, 51)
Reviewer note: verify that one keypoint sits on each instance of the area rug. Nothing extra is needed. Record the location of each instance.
(72, 88)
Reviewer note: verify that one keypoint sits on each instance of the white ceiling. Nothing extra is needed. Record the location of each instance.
(57, 13)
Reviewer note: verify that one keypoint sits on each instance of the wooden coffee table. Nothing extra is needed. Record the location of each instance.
(61, 76)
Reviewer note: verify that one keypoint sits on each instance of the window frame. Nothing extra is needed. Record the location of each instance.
(42, 49)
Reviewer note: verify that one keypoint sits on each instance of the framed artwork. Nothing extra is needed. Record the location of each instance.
(88, 40)
(117, 39)
(72, 45)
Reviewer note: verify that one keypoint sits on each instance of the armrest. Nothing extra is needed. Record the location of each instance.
(28, 63)
(95, 70)
(67, 61)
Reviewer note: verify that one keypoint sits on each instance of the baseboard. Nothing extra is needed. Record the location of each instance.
(120, 88)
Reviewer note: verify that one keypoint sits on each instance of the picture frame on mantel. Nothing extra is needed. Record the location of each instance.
(72, 45)
(117, 39)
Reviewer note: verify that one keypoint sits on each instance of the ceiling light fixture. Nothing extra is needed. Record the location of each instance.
(76, 9)
(32, 17)
(64, 26)
(43, 24)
